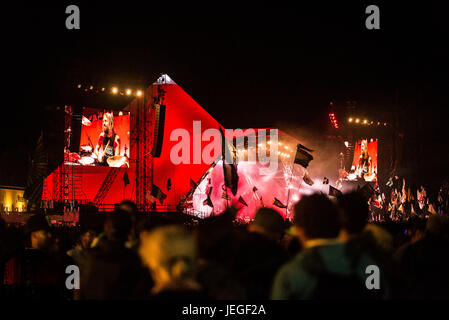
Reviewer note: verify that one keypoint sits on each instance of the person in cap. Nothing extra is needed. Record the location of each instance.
(36, 271)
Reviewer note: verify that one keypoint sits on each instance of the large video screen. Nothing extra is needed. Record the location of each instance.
(364, 164)
(104, 138)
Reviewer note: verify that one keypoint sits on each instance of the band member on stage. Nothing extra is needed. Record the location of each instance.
(108, 142)
(364, 166)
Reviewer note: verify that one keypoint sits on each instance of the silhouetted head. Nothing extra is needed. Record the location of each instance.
(353, 212)
(38, 228)
(268, 222)
(117, 225)
(316, 217)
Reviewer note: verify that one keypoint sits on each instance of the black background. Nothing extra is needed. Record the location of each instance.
(248, 66)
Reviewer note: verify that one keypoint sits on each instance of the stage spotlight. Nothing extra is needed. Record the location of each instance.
(139, 93)
(347, 144)
(128, 92)
(350, 119)
(102, 89)
(365, 121)
(114, 90)
(378, 123)
(79, 86)
(357, 120)
(385, 124)
(91, 87)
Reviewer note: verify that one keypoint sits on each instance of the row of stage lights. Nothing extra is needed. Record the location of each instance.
(365, 122)
(282, 154)
(113, 90)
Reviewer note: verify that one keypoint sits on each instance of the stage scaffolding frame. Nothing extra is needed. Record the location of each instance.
(142, 133)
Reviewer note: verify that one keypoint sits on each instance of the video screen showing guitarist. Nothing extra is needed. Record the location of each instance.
(364, 167)
(108, 142)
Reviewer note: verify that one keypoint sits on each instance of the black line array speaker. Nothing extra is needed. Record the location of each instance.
(158, 136)
(76, 129)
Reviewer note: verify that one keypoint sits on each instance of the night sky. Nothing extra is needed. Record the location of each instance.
(247, 66)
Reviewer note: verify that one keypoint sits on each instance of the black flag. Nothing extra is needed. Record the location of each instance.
(158, 194)
(208, 201)
(307, 179)
(231, 178)
(242, 201)
(334, 192)
(126, 178)
(302, 157)
(278, 203)
(168, 184)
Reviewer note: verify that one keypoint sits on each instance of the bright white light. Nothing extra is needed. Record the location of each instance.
(139, 93)
(128, 92)
(347, 144)
(114, 90)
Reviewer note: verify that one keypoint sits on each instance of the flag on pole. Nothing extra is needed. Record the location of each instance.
(242, 201)
(278, 203)
(334, 192)
(157, 193)
(302, 157)
(231, 178)
(389, 182)
(126, 178)
(168, 184)
(208, 201)
(307, 179)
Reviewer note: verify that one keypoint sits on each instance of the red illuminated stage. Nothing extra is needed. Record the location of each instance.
(148, 164)
(129, 153)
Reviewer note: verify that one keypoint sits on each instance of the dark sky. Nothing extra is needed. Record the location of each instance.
(247, 66)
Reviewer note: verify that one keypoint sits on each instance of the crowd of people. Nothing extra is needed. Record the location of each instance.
(404, 202)
(328, 252)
